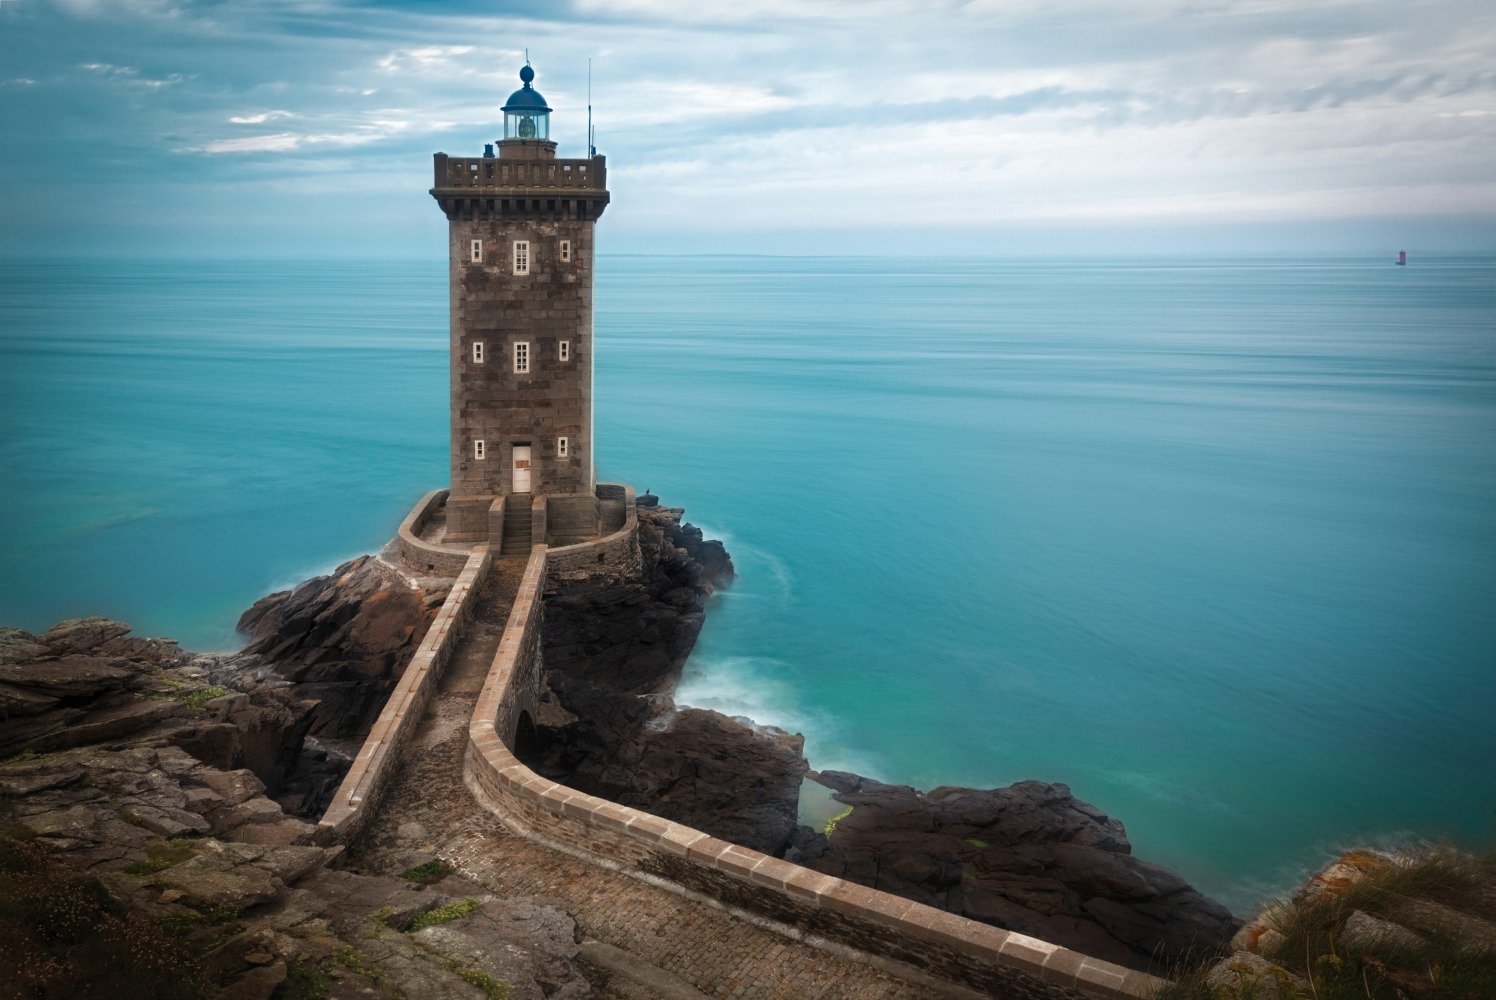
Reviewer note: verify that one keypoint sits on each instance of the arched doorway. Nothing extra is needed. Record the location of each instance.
(526, 740)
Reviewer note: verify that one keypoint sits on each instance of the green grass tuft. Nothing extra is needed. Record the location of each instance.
(197, 699)
(24, 755)
(161, 855)
(64, 937)
(304, 981)
(431, 871)
(493, 989)
(1442, 967)
(443, 914)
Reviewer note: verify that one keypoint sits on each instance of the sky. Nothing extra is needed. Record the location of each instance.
(306, 127)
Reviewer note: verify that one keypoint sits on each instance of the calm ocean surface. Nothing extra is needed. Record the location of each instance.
(1212, 541)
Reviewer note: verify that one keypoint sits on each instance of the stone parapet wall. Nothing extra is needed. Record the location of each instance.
(422, 556)
(467, 518)
(540, 514)
(518, 656)
(808, 905)
(571, 518)
(358, 796)
(616, 553)
(495, 532)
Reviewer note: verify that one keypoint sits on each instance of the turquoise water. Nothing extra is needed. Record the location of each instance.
(1212, 541)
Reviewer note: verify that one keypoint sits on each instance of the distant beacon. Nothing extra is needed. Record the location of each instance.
(520, 246)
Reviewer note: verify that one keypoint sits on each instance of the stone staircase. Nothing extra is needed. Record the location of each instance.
(517, 539)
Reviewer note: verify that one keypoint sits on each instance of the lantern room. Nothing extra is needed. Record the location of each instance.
(525, 113)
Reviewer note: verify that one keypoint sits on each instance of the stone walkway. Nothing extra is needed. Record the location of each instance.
(428, 810)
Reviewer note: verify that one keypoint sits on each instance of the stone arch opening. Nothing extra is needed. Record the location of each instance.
(526, 739)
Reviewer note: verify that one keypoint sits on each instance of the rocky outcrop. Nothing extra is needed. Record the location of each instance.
(345, 638)
(87, 681)
(614, 650)
(1030, 858)
(1416, 922)
(146, 862)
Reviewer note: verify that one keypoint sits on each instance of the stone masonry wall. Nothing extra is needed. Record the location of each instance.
(421, 556)
(615, 553)
(572, 518)
(358, 796)
(491, 401)
(807, 904)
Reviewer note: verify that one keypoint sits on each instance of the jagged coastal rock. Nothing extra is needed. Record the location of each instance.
(345, 638)
(613, 655)
(191, 771)
(135, 812)
(1030, 857)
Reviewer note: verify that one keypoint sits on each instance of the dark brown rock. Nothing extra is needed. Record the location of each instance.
(343, 639)
(613, 651)
(1030, 858)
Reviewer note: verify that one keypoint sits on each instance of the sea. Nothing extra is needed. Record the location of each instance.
(1210, 540)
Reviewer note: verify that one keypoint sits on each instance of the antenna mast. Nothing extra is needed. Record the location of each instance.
(591, 149)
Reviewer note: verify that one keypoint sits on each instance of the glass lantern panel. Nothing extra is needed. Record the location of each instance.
(527, 125)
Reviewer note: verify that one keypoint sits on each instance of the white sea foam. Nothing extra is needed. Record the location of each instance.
(779, 581)
(749, 687)
(293, 580)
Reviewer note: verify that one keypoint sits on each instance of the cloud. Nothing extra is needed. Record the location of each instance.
(774, 113)
(280, 143)
(130, 76)
(378, 130)
(422, 60)
(261, 118)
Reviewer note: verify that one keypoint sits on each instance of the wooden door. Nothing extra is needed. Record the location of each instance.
(521, 468)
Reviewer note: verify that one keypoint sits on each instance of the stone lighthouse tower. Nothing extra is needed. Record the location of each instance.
(520, 244)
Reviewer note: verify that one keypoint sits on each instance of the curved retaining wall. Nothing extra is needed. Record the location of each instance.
(617, 552)
(816, 908)
(363, 786)
(423, 556)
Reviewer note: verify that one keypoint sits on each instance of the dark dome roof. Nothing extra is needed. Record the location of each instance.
(527, 98)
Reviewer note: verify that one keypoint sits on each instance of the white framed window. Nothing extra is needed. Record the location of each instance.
(521, 256)
(477, 251)
(477, 352)
(563, 447)
(566, 251)
(480, 451)
(521, 356)
(563, 350)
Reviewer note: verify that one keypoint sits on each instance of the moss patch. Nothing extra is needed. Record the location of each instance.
(431, 871)
(493, 989)
(161, 855)
(63, 937)
(304, 981)
(831, 823)
(443, 914)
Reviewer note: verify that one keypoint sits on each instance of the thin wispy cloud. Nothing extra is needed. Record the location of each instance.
(261, 117)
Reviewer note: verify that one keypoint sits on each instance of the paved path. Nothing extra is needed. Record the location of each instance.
(692, 948)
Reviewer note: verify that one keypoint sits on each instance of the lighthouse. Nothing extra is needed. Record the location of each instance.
(520, 261)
